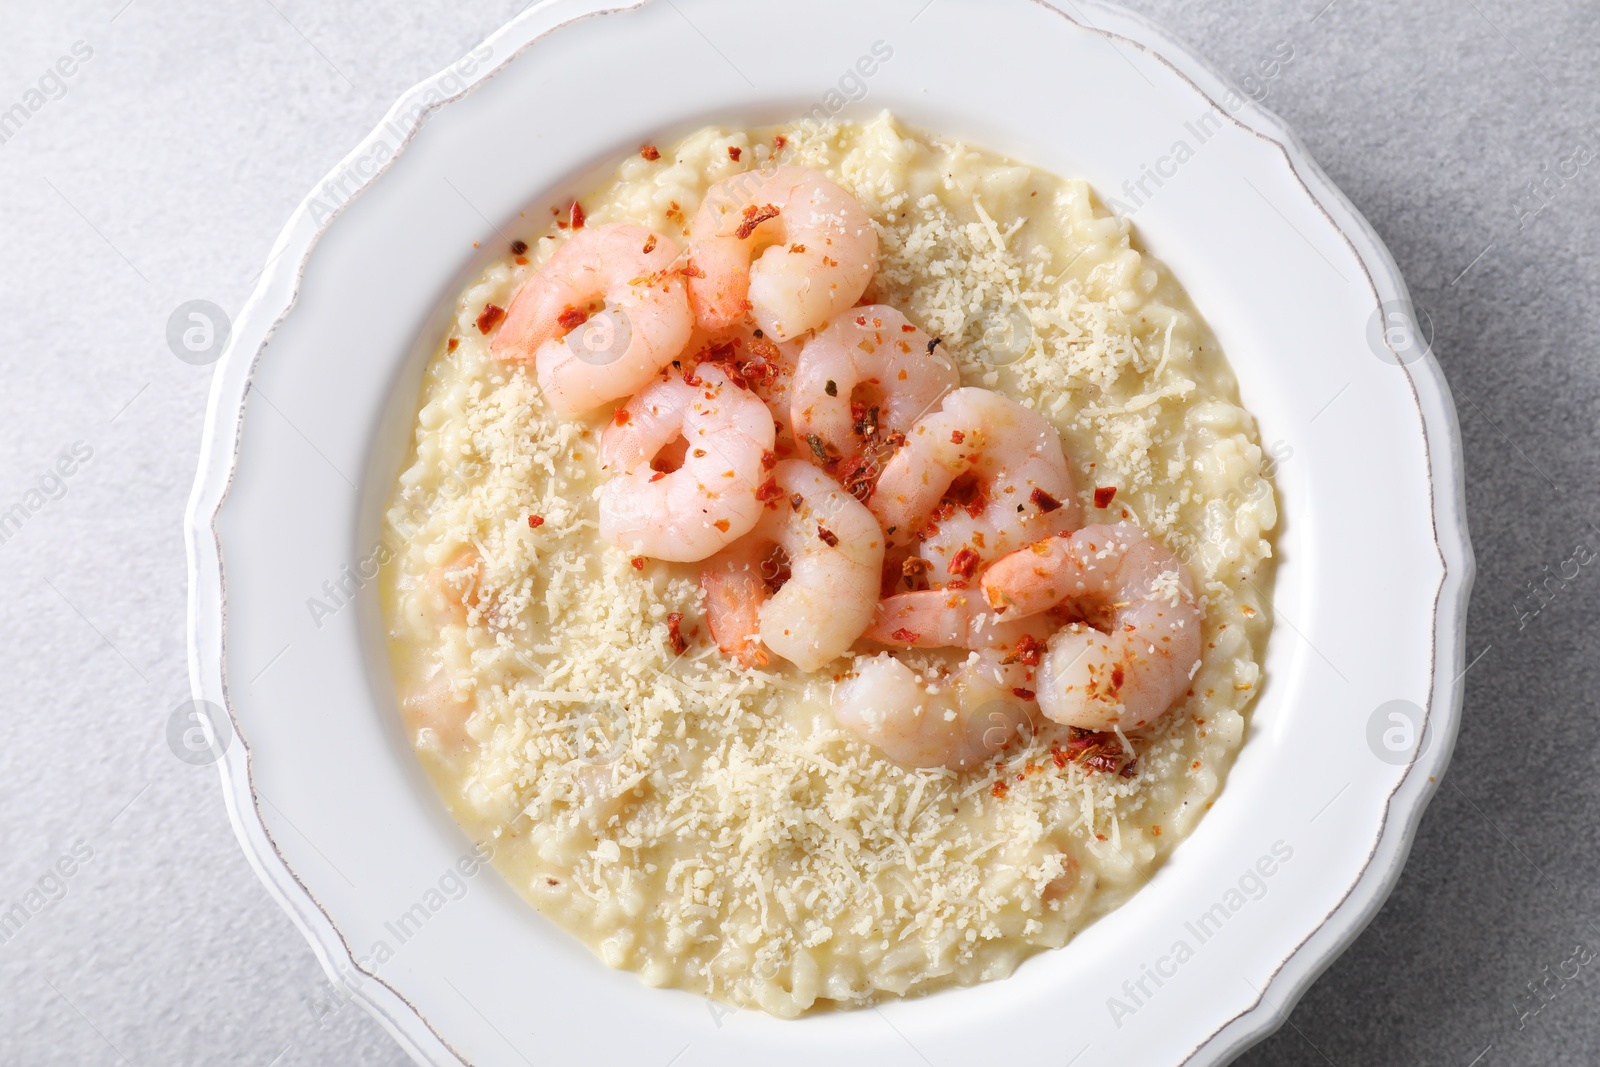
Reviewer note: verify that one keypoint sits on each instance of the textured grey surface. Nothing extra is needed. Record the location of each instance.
(161, 171)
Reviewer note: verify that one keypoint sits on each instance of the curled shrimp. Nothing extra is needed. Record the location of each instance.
(600, 317)
(707, 502)
(436, 714)
(823, 551)
(455, 587)
(1128, 673)
(976, 479)
(761, 365)
(786, 246)
(960, 721)
(949, 618)
(874, 357)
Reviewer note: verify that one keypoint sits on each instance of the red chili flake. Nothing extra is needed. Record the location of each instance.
(1101, 761)
(910, 637)
(829, 538)
(454, 341)
(1104, 495)
(721, 524)
(521, 261)
(827, 262)
(638, 563)
(649, 244)
(1043, 500)
(734, 153)
(768, 490)
(689, 270)
(966, 493)
(779, 141)
(535, 521)
(775, 569)
(768, 460)
(798, 249)
(963, 563)
(1023, 694)
(795, 501)
(866, 423)
(492, 314)
(908, 328)
(956, 437)
(858, 474)
(572, 318)
(621, 417)
(519, 247)
(915, 572)
(1027, 652)
(757, 373)
(679, 645)
(577, 215)
(999, 790)
(1096, 752)
(650, 152)
(753, 217)
(658, 475)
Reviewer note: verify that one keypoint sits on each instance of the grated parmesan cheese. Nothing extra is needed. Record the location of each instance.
(713, 828)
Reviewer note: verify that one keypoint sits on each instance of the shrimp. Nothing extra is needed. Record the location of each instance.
(1129, 673)
(949, 618)
(761, 365)
(455, 587)
(960, 722)
(832, 550)
(787, 246)
(871, 356)
(709, 501)
(604, 314)
(976, 479)
(436, 714)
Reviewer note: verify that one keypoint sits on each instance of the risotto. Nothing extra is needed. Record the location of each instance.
(706, 819)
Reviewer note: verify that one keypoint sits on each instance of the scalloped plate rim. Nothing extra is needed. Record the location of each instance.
(278, 290)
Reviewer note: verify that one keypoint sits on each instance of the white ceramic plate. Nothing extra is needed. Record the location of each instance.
(311, 411)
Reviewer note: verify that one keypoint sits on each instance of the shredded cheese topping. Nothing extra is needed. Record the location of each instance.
(713, 828)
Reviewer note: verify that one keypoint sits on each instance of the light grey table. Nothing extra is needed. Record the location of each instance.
(160, 170)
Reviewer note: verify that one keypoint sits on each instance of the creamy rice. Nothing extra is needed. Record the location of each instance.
(713, 829)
